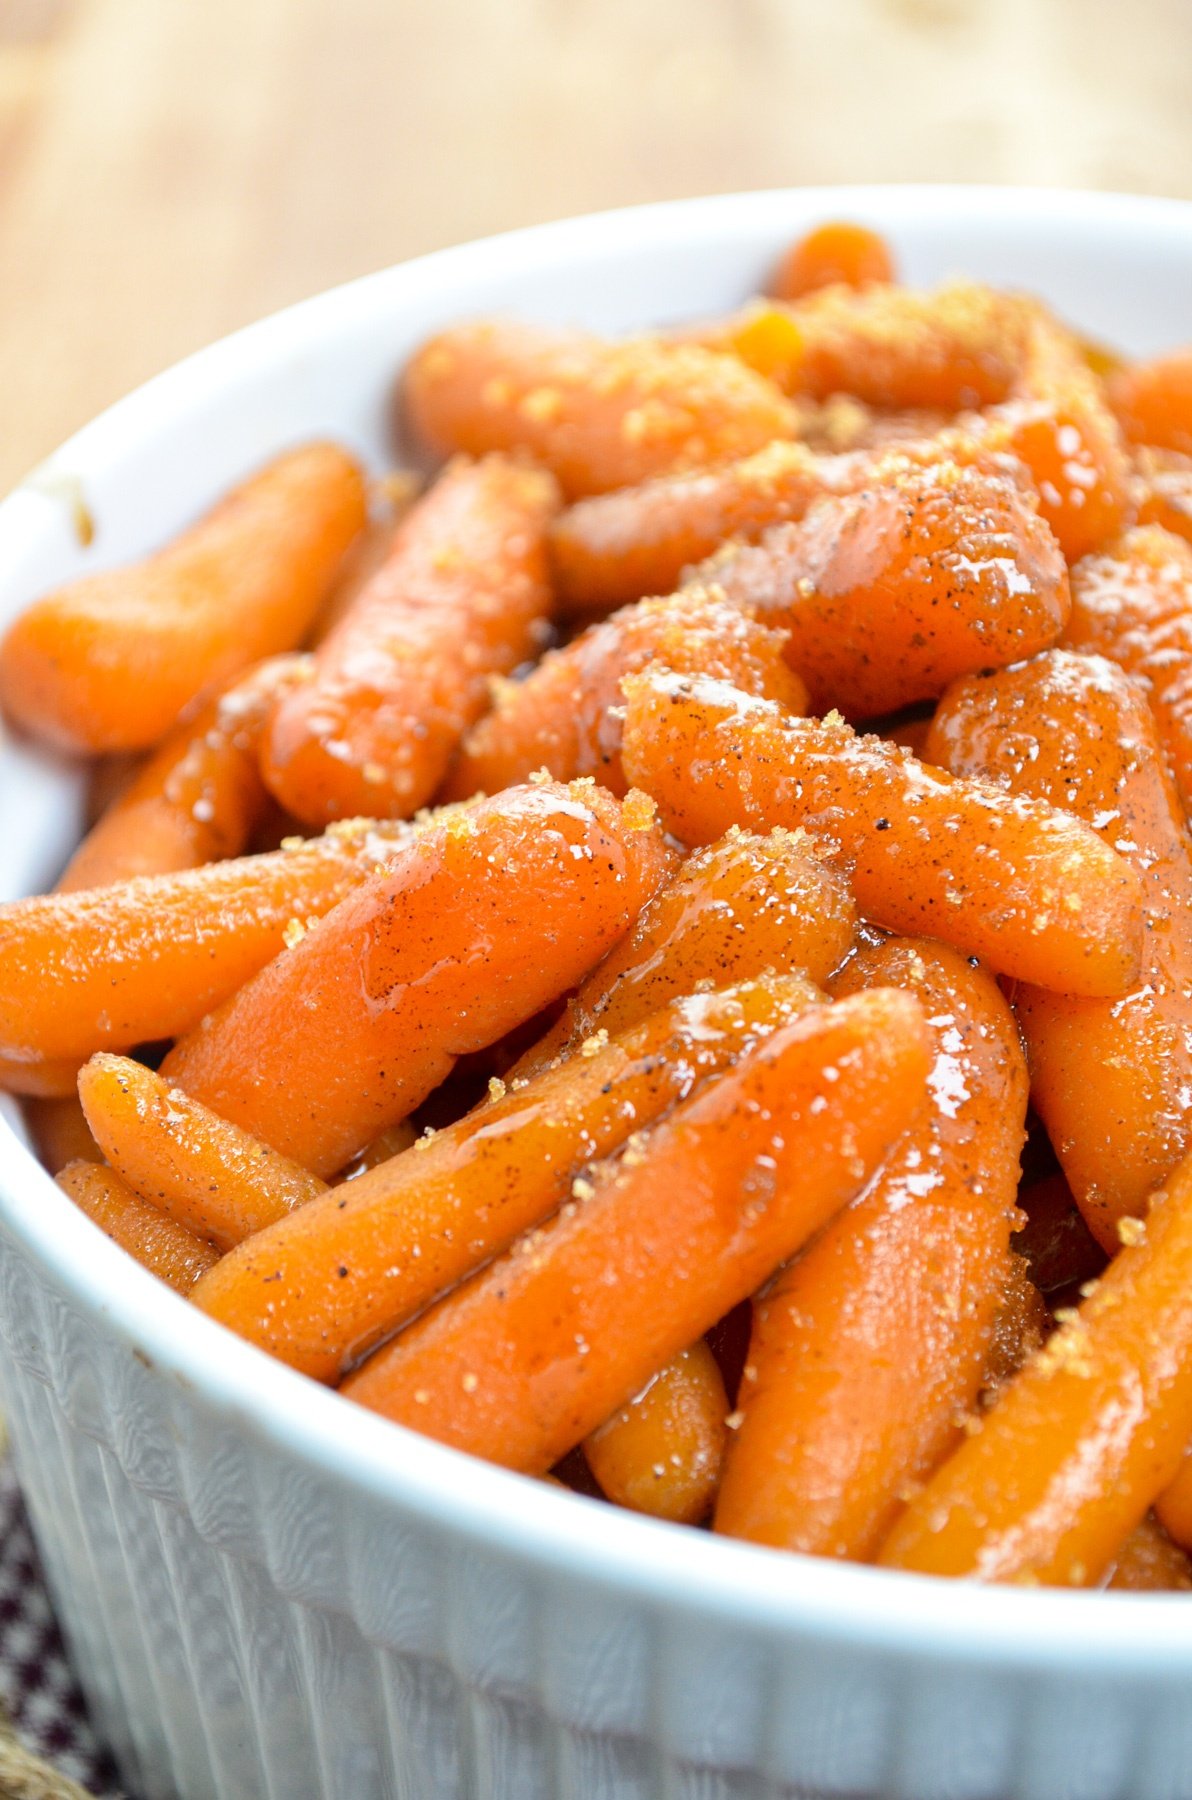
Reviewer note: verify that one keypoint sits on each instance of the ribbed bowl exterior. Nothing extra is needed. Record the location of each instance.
(251, 1617)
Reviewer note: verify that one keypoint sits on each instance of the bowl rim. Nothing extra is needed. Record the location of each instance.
(748, 1587)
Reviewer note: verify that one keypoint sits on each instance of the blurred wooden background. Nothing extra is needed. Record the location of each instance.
(170, 169)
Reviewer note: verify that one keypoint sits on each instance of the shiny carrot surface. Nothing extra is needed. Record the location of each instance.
(175, 1255)
(1153, 400)
(663, 1451)
(832, 254)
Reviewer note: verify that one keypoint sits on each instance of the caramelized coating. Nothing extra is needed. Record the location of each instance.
(598, 414)
(198, 798)
(1153, 400)
(463, 596)
(1110, 1077)
(175, 1255)
(326, 1285)
(835, 253)
(1079, 1444)
(475, 924)
(218, 1181)
(533, 1353)
(565, 716)
(147, 959)
(745, 904)
(1029, 888)
(872, 1344)
(110, 661)
(888, 594)
(662, 1452)
(1132, 602)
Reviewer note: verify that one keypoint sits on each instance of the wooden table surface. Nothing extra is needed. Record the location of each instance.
(170, 169)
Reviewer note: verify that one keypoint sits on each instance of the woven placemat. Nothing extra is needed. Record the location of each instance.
(48, 1750)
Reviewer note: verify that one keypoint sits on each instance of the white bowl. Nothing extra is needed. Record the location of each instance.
(269, 1592)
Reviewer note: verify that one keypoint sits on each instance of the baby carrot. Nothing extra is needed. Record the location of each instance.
(1082, 1440)
(1150, 1563)
(1153, 400)
(462, 596)
(167, 1249)
(597, 414)
(871, 1345)
(835, 253)
(1015, 881)
(40, 1078)
(326, 1285)
(566, 715)
(114, 967)
(534, 1352)
(1110, 1078)
(218, 1181)
(1132, 601)
(1162, 490)
(744, 904)
(888, 594)
(479, 921)
(616, 547)
(661, 1453)
(60, 1132)
(109, 662)
(198, 798)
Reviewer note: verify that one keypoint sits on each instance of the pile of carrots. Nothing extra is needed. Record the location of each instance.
(663, 959)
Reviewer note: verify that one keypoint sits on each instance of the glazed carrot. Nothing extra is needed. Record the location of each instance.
(837, 252)
(530, 1355)
(888, 594)
(119, 966)
(1132, 601)
(109, 662)
(1174, 1505)
(416, 1225)
(566, 715)
(198, 798)
(463, 596)
(1035, 892)
(159, 1244)
(60, 1132)
(1153, 400)
(1162, 490)
(1149, 1562)
(1083, 1439)
(1058, 424)
(744, 904)
(40, 1078)
(598, 414)
(661, 1453)
(390, 1142)
(867, 1350)
(616, 547)
(476, 924)
(218, 1181)
(1110, 1078)
(958, 346)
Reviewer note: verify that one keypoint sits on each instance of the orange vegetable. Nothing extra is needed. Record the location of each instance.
(109, 662)
(1149, 1563)
(566, 715)
(837, 252)
(198, 798)
(890, 593)
(616, 547)
(474, 925)
(1153, 400)
(1162, 490)
(1132, 601)
(175, 1255)
(1174, 1505)
(661, 1453)
(743, 905)
(1027, 887)
(119, 966)
(598, 414)
(210, 1176)
(326, 1285)
(462, 596)
(1110, 1078)
(38, 1078)
(60, 1132)
(529, 1356)
(873, 1343)
(390, 1142)
(1079, 1444)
